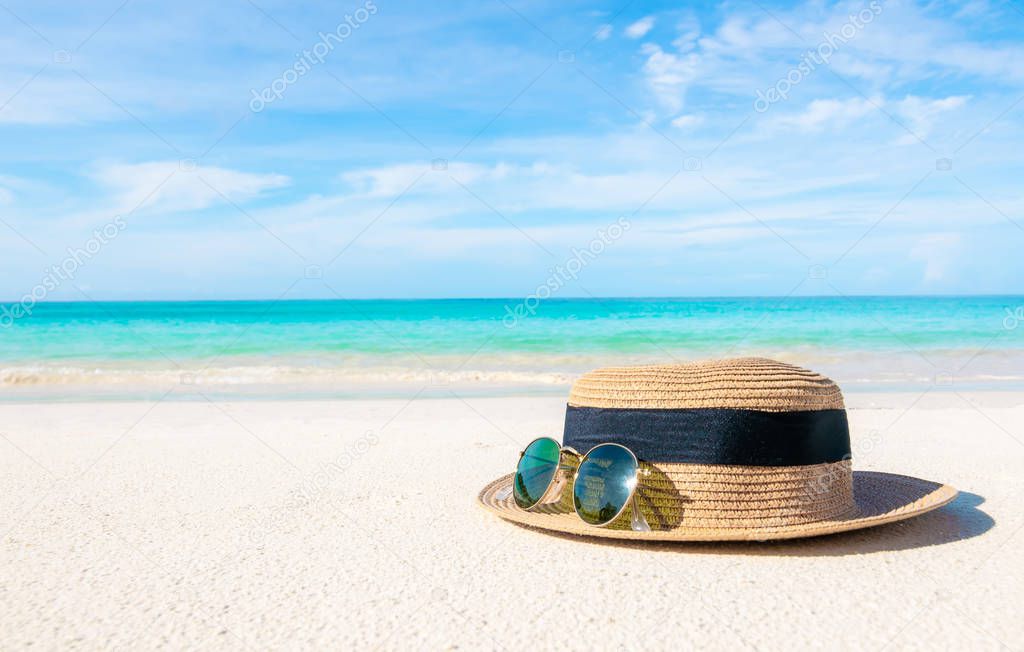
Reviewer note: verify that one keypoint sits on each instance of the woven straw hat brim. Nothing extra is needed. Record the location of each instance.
(879, 498)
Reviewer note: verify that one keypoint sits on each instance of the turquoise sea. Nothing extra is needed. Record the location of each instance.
(323, 347)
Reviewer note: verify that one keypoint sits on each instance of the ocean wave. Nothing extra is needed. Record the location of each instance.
(512, 370)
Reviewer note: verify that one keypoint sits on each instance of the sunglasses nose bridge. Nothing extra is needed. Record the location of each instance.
(554, 492)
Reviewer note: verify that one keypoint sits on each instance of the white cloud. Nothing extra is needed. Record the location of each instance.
(937, 251)
(669, 74)
(171, 186)
(745, 35)
(904, 44)
(49, 98)
(922, 113)
(603, 32)
(640, 28)
(562, 187)
(827, 112)
(974, 9)
(419, 178)
(689, 33)
(15, 182)
(10, 183)
(687, 121)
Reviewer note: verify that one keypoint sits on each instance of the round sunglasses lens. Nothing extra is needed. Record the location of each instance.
(535, 472)
(604, 483)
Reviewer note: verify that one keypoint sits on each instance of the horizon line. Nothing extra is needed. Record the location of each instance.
(520, 298)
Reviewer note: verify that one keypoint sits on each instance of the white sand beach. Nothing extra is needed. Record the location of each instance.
(352, 525)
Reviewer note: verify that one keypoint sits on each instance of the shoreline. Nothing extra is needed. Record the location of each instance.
(856, 394)
(484, 373)
(931, 397)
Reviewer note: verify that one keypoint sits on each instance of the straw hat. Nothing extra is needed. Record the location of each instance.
(744, 449)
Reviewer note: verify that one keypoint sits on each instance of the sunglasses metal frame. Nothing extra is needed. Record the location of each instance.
(553, 492)
(558, 479)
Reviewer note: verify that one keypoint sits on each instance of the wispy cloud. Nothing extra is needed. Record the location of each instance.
(823, 113)
(173, 186)
(669, 74)
(922, 113)
(640, 28)
(937, 251)
(687, 121)
(660, 124)
(51, 96)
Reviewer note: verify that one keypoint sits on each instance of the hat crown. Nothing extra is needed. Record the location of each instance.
(739, 383)
(725, 441)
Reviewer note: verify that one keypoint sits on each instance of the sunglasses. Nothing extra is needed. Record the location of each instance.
(604, 481)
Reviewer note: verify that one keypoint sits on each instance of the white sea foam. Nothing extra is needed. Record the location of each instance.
(38, 375)
(516, 372)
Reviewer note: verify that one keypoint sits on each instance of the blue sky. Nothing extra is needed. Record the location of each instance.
(470, 150)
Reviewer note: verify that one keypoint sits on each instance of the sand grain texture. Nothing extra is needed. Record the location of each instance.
(352, 524)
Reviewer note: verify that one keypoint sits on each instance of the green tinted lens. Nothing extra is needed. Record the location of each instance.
(604, 483)
(535, 472)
